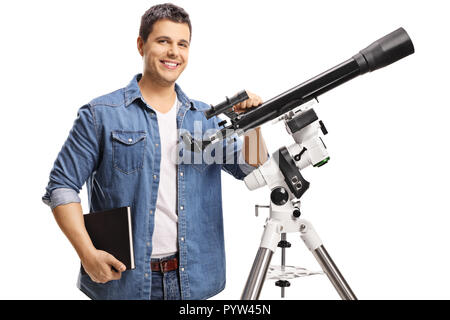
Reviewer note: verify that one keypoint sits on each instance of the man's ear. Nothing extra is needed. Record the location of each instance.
(140, 46)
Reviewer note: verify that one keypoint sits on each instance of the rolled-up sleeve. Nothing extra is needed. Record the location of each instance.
(61, 196)
(75, 162)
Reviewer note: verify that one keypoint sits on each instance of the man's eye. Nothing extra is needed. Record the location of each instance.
(162, 41)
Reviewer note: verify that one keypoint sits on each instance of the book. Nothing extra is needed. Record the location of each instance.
(111, 231)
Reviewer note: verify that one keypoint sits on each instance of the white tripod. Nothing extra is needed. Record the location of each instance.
(282, 175)
(281, 222)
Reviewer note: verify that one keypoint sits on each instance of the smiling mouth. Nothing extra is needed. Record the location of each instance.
(170, 65)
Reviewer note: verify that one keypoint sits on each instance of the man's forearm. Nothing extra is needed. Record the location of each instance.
(70, 219)
(254, 148)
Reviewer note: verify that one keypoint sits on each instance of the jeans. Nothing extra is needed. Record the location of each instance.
(165, 286)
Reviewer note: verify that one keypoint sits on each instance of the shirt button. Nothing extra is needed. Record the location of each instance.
(182, 239)
(151, 211)
(154, 177)
(181, 173)
(156, 145)
(130, 140)
(148, 244)
(182, 269)
(146, 275)
(181, 207)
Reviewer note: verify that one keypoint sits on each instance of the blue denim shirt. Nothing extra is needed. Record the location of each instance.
(114, 146)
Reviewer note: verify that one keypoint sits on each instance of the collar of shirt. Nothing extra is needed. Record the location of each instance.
(133, 92)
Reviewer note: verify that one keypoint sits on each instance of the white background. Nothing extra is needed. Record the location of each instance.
(381, 205)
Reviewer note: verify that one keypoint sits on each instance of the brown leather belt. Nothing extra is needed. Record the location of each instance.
(165, 265)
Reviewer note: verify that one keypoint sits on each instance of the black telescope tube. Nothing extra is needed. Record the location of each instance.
(299, 95)
(381, 53)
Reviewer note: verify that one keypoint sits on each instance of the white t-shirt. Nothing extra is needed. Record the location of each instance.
(166, 220)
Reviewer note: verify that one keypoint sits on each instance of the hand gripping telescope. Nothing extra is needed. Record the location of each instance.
(389, 49)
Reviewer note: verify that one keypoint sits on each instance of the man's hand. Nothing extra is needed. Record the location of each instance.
(102, 266)
(252, 101)
(98, 264)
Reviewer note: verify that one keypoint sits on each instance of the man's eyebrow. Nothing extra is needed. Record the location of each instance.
(168, 38)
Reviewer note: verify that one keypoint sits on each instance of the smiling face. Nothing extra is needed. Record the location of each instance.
(165, 53)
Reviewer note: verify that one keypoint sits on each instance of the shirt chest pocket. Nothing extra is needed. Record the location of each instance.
(128, 149)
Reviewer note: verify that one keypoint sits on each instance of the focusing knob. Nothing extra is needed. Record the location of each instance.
(279, 196)
(296, 212)
(222, 123)
(322, 127)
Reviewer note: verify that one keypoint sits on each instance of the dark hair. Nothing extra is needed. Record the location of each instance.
(162, 11)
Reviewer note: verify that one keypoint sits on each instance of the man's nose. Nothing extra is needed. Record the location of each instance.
(174, 51)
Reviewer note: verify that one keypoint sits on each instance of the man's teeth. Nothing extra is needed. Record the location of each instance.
(170, 64)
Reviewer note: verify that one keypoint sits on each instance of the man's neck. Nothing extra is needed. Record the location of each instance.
(159, 97)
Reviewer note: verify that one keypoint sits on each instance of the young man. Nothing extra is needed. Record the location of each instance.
(122, 145)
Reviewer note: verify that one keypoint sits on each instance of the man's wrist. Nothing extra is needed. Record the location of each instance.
(86, 253)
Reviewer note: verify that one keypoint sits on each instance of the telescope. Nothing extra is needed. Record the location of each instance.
(383, 52)
(281, 173)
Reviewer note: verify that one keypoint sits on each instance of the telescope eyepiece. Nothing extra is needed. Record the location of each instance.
(386, 50)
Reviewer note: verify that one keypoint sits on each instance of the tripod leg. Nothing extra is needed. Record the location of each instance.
(257, 275)
(333, 274)
(255, 280)
(314, 244)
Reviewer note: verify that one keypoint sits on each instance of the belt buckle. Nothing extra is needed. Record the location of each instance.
(163, 265)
